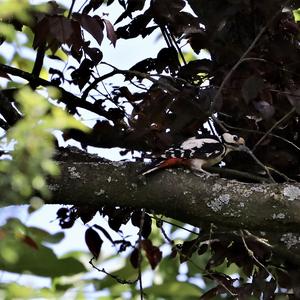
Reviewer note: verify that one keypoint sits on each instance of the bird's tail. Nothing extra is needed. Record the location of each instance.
(162, 164)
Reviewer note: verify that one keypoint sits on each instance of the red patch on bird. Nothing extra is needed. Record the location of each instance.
(172, 162)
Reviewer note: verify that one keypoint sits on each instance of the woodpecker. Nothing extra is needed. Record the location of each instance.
(198, 152)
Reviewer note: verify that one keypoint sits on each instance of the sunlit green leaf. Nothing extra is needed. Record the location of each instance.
(7, 31)
(182, 290)
(41, 261)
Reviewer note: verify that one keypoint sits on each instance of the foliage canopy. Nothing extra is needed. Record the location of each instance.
(248, 84)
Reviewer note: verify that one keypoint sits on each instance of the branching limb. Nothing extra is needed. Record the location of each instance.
(116, 71)
(68, 98)
(117, 278)
(246, 149)
(251, 254)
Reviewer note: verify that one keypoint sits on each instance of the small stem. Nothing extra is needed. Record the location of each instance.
(285, 117)
(140, 256)
(260, 132)
(177, 48)
(251, 254)
(71, 9)
(246, 149)
(117, 278)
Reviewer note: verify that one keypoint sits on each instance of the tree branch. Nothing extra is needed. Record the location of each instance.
(180, 195)
(68, 98)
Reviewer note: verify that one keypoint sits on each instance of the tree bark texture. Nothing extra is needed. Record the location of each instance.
(180, 194)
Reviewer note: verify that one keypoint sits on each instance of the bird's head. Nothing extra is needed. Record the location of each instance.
(233, 142)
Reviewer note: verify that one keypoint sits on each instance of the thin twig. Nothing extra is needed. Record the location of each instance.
(159, 224)
(281, 251)
(71, 9)
(260, 132)
(176, 225)
(241, 60)
(166, 37)
(246, 149)
(217, 121)
(251, 254)
(210, 274)
(140, 255)
(176, 46)
(288, 179)
(94, 84)
(226, 172)
(284, 93)
(285, 117)
(117, 278)
(116, 71)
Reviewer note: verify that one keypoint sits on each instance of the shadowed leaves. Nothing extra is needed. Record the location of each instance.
(93, 241)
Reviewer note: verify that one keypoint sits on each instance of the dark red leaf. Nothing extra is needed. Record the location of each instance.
(61, 28)
(41, 31)
(198, 40)
(76, 53)
(30, 242)
(153, 254)
(115, 223)
(57, 30)
(187, 250)
(91, 25)
(111, 34)
(57, 73)
(93, 241)
(134, 258)
(173, 252)
(146, 230)
(136, 219)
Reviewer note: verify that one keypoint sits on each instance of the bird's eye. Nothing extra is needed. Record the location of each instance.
(235, 138)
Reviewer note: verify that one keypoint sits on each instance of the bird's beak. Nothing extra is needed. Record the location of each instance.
(241, 141)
